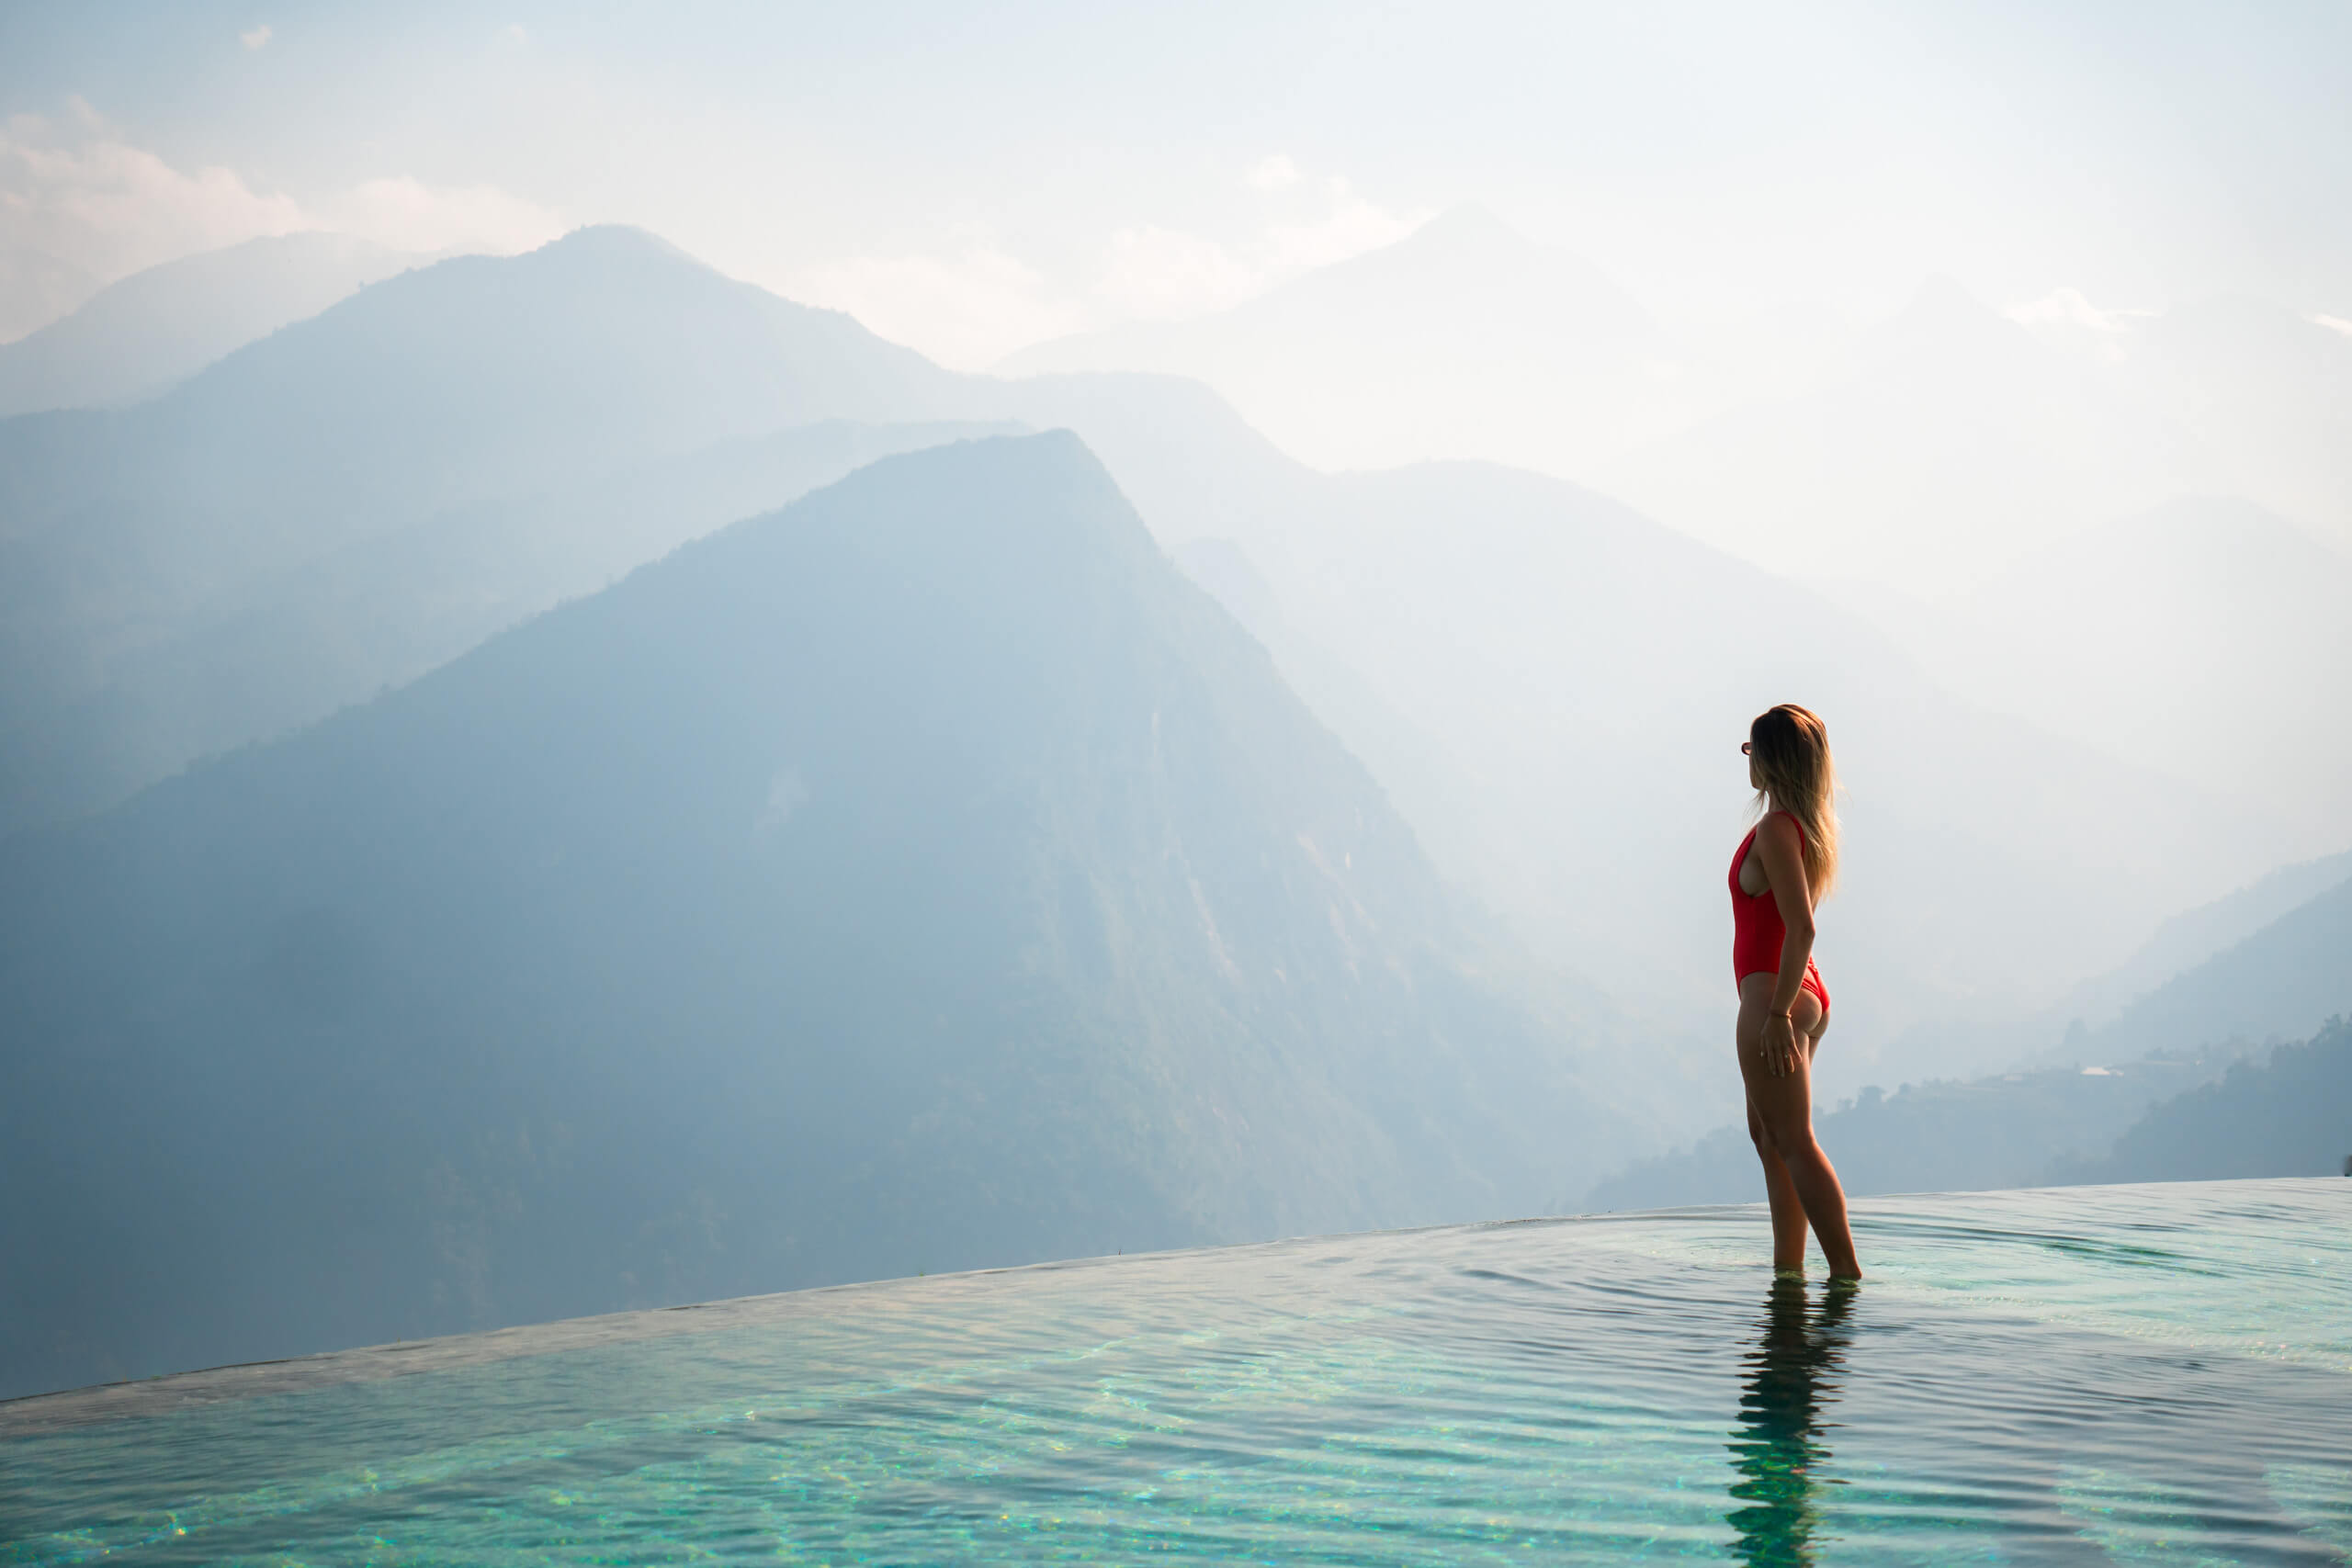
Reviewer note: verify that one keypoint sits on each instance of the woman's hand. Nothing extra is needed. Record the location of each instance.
(1783, 1054)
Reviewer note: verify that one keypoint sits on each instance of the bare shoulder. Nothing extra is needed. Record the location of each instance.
(1780, 829)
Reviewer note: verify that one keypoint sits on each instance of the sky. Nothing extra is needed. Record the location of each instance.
(971, 179)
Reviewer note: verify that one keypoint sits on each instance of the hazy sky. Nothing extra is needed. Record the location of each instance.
(970, 179)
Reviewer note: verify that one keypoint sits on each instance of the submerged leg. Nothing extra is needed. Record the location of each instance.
(1780, 1107)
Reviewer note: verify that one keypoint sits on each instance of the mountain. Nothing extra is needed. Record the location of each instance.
(2282, 982)
(1541, 679)
(2064, 1032)
(2287, 1115)
(478, 376)
(2291, 979)
(1463, 340)
(136, 337)
(2199, 639)
(2265, 392)
(925, 877)
(2187, 939)
(129, 536)
(365, 494)
(291, 644)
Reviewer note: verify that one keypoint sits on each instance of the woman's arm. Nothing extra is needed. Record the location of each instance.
(1782, 847)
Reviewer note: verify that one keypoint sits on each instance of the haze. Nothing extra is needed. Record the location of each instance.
(788, 644)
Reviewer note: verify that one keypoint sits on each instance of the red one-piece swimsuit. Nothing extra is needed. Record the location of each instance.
(1758, 931)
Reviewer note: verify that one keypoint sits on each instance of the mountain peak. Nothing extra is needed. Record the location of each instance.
(625, 244)
(1468, 223)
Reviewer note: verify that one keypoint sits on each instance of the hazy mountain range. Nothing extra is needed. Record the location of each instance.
(1938, 443)
(925, 877)
(134, 338)
(2077, 517)
(180, 576)
(1551, 686)
(2284, 1116)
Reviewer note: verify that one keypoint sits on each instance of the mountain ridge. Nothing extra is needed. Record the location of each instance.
(137, 336)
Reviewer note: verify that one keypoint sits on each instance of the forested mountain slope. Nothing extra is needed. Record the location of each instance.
(2289, 1115)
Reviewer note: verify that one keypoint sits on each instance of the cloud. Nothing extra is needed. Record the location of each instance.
(2333, 324)
(409, 215)
(966, 311)
(1349, 226)
(81, 207)
(1272, 174)
(970, 307)
(1156, 272)
(255, 38)
(2067, 307)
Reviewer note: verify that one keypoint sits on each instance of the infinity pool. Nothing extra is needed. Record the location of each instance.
(2141, 1374)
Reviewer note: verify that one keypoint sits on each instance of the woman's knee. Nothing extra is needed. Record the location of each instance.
(1791, 1134)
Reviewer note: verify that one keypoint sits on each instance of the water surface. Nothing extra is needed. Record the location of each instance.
(2139, 1374)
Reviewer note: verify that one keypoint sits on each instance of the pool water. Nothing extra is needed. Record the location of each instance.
(2137, 1374)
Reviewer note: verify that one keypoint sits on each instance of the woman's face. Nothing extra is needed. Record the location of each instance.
(1754, 779)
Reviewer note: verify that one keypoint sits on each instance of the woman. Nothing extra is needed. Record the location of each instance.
(1786, 864)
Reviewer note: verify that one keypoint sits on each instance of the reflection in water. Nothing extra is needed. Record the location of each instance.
(1778, 1447)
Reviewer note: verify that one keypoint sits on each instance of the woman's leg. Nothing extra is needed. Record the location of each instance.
(1781, 1108)
(1788, 1208)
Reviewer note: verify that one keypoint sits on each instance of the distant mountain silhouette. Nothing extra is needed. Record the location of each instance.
(1463, 340)
(2280, 984)
(136, 337)
(923, 877)
(294, 643)
(2061, 1033)
(2289, 1115)
(2189, 938)
(483, 384)
(2266, 391)
(475, 377)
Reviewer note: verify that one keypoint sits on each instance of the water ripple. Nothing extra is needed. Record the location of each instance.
(2130, 1374)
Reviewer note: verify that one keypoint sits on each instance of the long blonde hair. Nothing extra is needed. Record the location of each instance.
(1790, 747)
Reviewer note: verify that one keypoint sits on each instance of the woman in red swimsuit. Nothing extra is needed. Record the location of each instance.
(1786, 864)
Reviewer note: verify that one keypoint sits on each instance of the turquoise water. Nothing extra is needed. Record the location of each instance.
(2134, 1374)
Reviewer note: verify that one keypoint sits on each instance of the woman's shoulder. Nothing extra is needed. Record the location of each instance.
(1781, 825)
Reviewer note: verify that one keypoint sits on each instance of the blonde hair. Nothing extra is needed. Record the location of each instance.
(1790, 747)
